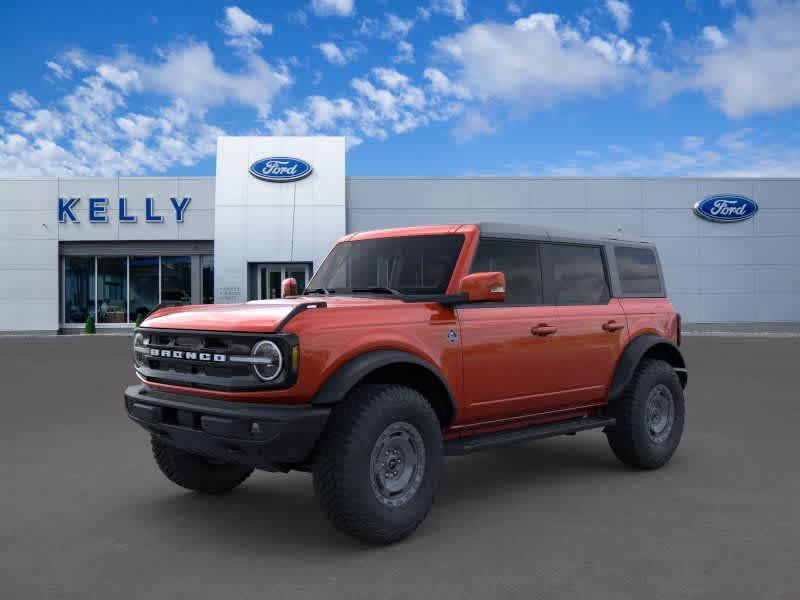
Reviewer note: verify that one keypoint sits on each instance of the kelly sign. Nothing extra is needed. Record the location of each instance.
(99, 208)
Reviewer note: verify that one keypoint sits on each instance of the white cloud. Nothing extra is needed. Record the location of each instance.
(727, 3)
(22, 100)
(537, 60)
(715, 37)
(243, 29)
(336, 55)
(385, 101)
(453, 8)
(339, 8)
(692, 143)
(735, 154)
(58, 70)
(514, 8)
(758, 70)
(471, 125)
(91, 131)
(405, 52)
(398, 27)
(666, 27)
(440, 84)
(621, 11)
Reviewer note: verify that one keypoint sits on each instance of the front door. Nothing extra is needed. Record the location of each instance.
(271, 275)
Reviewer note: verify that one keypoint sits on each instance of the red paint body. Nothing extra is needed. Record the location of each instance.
(509, 366)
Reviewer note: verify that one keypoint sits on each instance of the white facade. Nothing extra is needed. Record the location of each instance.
(259, 221)
(715, 272)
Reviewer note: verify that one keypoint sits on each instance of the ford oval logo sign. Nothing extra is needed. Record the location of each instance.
(280, 169)
(726, 209)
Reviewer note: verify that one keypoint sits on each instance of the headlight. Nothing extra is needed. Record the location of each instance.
(267, 360)
(138, 342)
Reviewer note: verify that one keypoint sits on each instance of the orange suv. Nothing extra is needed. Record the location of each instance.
(408, 345)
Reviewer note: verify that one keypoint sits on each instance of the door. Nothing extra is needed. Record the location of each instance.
(592, 325)
(510, 367)
(270, 277)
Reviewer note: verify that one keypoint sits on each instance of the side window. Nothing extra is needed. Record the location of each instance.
(519, 262)
(638, 271)
(575, 274)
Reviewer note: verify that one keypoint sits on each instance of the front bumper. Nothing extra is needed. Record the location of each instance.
(266, 436)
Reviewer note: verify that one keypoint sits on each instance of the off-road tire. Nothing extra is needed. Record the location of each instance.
(195, 472)
(343, 462)
(631, 438)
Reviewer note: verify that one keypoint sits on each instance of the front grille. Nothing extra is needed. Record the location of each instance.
(191, 359)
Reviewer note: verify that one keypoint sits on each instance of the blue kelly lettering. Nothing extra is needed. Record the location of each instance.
(180, 209)
(149, 214)
(97, 210)
(124, 217)
(65, 210)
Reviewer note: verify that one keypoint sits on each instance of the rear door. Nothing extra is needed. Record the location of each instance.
(510, 368)
(592, 324)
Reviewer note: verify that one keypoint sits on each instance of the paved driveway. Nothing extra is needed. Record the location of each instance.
(85, 514)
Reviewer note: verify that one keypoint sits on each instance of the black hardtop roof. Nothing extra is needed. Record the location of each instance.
(551, 234)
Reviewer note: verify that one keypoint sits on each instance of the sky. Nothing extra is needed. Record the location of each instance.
(429, 88)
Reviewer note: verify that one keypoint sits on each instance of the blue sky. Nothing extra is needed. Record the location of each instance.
(437, 87)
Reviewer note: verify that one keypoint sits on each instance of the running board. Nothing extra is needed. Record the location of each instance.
(495, 439)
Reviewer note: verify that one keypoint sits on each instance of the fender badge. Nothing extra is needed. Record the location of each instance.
(452, 336)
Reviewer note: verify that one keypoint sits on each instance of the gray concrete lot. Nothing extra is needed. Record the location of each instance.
(84, 513)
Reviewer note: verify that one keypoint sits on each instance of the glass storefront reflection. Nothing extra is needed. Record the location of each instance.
(176, 280)
(144, 285)
(78, 288)
(111, 289)
(129, 286)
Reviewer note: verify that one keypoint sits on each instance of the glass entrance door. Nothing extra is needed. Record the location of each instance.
(271, 276)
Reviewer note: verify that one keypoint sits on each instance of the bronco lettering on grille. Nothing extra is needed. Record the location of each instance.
(181, 354)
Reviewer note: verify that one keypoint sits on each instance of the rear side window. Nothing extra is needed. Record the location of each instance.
(638, 271)
(519, 262)
(575, 274)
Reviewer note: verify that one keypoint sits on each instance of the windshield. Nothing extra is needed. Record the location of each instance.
(420, 264)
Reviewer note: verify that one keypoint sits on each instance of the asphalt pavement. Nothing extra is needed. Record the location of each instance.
(84, 512)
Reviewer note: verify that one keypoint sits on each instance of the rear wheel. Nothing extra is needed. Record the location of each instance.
(195, 472)
(378, 463)
(650, 416)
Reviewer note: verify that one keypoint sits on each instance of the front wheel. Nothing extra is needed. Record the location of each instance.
(378, 463)
(650, 417)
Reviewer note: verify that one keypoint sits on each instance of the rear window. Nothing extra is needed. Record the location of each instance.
(576, 274)
(638, 271)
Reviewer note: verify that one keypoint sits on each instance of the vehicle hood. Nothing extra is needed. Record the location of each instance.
(261, 316)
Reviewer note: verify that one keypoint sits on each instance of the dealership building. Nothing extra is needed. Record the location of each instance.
(117, 247)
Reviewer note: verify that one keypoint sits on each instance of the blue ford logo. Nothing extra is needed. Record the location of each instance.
(280, 169)
(726, 209)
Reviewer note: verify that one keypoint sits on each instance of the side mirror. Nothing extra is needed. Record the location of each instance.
(289, 287)
(484, 287)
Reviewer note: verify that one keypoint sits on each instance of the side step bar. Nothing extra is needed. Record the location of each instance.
(495, 439)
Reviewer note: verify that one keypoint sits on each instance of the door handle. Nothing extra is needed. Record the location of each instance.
(612, 326)
(543, 329)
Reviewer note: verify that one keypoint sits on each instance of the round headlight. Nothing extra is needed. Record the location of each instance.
(138, 342)
(267, 360)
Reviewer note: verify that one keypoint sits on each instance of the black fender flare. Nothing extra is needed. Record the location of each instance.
(350, 373)
(633, 354)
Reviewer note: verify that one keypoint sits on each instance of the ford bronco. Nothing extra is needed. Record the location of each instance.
(408, 345)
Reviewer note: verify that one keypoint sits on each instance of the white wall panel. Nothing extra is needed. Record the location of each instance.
(274, 222)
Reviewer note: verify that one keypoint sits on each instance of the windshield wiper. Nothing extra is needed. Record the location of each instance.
(378, 290)
(319, 290)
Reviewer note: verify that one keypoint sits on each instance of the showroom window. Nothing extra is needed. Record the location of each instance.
(79, 288)
(117, 289)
